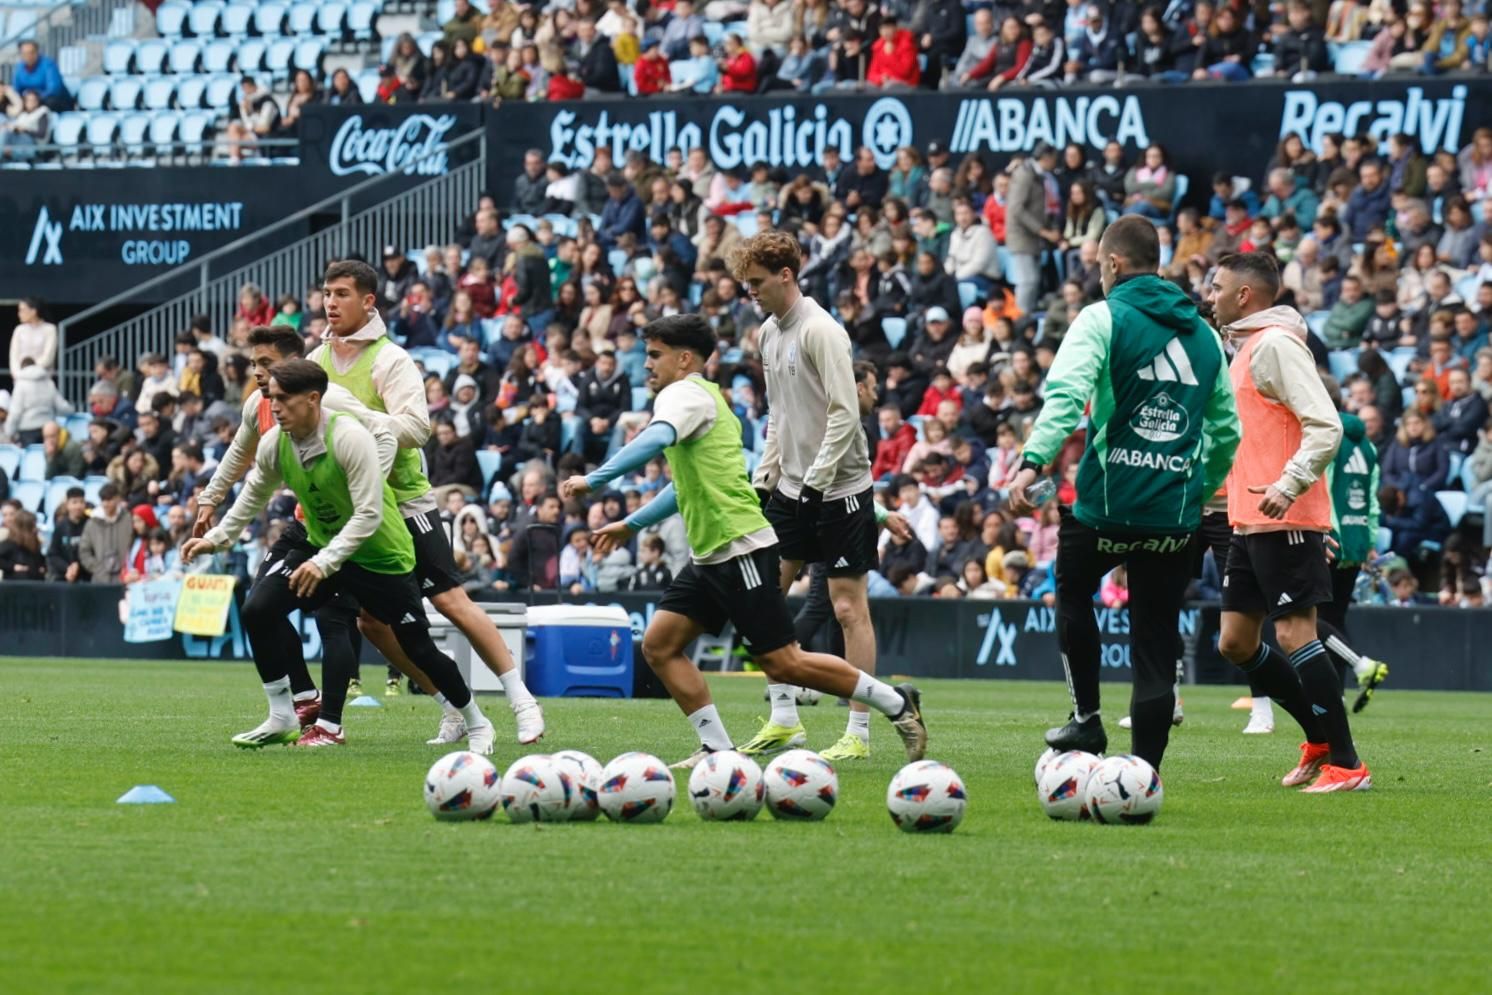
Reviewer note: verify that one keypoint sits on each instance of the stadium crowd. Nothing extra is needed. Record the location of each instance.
(955, 278)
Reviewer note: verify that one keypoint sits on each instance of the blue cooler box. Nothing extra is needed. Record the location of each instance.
(579, 651)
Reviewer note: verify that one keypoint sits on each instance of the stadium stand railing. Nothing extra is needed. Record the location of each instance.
(64, 30)
(424, 215)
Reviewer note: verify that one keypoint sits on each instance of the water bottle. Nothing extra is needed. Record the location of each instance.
(1041, 492)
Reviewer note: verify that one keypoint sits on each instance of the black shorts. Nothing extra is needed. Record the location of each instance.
(434, 563)
(393, 599)
(742, 591)
(1276, 573)
(844, 537)
(292, 541)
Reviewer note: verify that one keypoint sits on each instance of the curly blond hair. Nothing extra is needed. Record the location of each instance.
(774, 251)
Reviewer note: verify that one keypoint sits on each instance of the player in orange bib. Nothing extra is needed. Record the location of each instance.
(1281, 515)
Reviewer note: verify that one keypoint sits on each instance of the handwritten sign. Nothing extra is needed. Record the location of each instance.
(202, 609)
(150, 610)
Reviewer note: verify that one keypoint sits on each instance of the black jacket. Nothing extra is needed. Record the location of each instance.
(453, 464)
(534, 559)
(528, 193)
(1297, 50)
(17, 563)
(872, 188)
(538, 440)
(532, 275)
(62, 552)
(937, 290)
(927, 354)
(603, 400)
(493, 248)
(654, 578)
(160, 447)
(598, 69)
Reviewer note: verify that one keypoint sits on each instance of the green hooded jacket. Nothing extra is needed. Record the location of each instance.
(1163, 427)
(1352, 479)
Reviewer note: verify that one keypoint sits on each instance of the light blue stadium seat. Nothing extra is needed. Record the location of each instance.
(490, 462)
(163, 131)
(1466, 287)
(151, 55)
(618, 260)
(31, 494)
(302, 19)
(1398, 361)
(269, 19)
(19, 24)
(367, 85)
(1454, 503)
(1342, 363)
(308, 55)
(639, 398)
(237, 19)
(193, 126)
(569, 427)
(1183, 184)
(203, 19)
(91, 487)
(386, 48)
(67, 132)
(101, 130)
(1316, 321)
(10, 459)
(492, 330)
(1454, 461)
(77, 426)
(438, 362)
(746, 224)
(895, 330)
(968, 295)
(184, 57)
(426, 41)
(117, 57)
(1350, 57)
(124, 93)
(134, 128)
(33, 464)
(444, 11)
(360, 17)
(158, 93)
(91, 93)
(1384, 540)
(277, 57)
(251, 55)
(221, 91)
(715, 32)
(330, 18)
(217, 55)
(57, 494)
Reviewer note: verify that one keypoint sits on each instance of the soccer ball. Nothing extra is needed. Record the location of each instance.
(806, 696)
(1063, 783)
(1051, 754)
(461, 786)
(1124, 789)
(585, 774)
(926, 797)
(801, 785)
(636, 787)
(726, 786)
(536, 789)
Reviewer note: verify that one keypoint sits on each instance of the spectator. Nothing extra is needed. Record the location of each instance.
(64, 455)
(597, 62)
(1228, 51)
(34, 402)
(651, 74)
(1344, 326)
(623, 213)
(106, 538)
(1471, 335)
(465, 23)
(769, 25)
(342, 92)
(406, 72)
(533, 297)
(698, 73)
(1414, 463)
(1290, 194)
(971, 249)
(1459, 422)
(20, 553)
(38, 73)
(67, 536)
(1300, 52)
(1368, 205)
(1461, 241)
(1004, 60)
(604, 394)
(976, 47)
(893, 57)
(682, 28)
(30, 127)
(652, 572)
(34, 338)
(413, 322)
(1412, 524)
(1162, 53)
(488, 245)
(1097, 51)
(258, 118)
(1445, 47)
(1150, 186)
(451, 455)
(737, 67)
(1029, 226)
(534, 560)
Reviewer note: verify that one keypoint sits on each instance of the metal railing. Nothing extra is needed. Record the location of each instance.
(66, 24)
(427, 214)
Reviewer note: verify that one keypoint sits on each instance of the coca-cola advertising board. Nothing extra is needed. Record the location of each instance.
(343, 146)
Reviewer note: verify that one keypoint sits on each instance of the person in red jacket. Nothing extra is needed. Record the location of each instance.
(897, 438)
(650, 75)
(893, 58)
(737, 67)
(565, 85)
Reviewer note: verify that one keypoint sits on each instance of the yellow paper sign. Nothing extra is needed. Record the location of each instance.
(203, 607)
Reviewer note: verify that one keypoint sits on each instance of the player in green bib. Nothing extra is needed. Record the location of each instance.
(733, 570)
(356, 547)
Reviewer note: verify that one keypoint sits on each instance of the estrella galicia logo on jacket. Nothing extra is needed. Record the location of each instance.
(374, 151)
(1160, 419)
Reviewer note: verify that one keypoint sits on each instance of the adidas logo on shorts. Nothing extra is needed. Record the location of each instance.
(841, 563)
(1284, 600)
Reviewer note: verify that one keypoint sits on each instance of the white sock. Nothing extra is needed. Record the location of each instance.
(281, 707)
(331, 727)
(878, 695)
(310, 695)
(710, 729)
(859, 725)
(471, 712)
(515, 689)
(442, 700)
(1262, 708)
(1084, 717)
(784, 698)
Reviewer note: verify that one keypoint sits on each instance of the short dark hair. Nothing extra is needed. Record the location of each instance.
(865, 368)
(1258, 269)
(200, 323)
(161, 401)
(281, 338)
(683, 331)
(107, 491)
(299, 376)
(75, 492)
(1134, 238)
(360, 273)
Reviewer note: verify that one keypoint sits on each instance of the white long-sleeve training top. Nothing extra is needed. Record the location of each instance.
(365, 461)
(814, 435)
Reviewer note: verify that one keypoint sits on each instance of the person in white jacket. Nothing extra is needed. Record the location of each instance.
(769, 24)
(971, 249)
(33, 337)
(34, 402)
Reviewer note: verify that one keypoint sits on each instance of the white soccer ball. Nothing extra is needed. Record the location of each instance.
(636, 787)
(1124, 789)
(461, 786)
(536, 789)
(806, 696)
(1052, 753)
(1063, 783)
(801, 785)
(926, 797)
(726, 786)
(585, 774)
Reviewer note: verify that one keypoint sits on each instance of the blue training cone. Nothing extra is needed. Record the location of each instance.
(145, 794)
(365, 701)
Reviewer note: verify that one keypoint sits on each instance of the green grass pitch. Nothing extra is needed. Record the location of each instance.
(322, 871)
